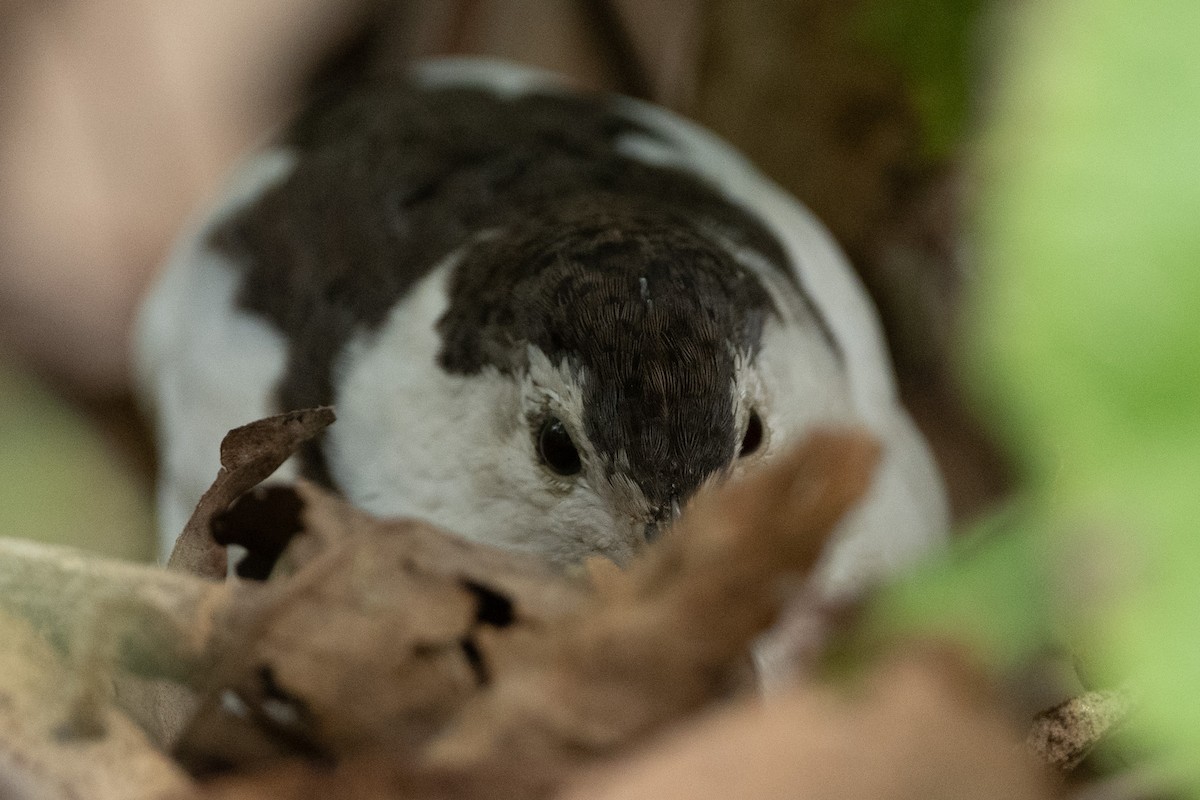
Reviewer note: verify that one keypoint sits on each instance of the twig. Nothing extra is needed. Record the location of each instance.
(1064, 735)
(163, 621)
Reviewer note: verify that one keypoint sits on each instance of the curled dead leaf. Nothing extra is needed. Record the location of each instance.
(249, 455)
(467, 661)
(370, 636)
(441, 666)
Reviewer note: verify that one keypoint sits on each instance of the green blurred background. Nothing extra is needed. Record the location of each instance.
(62, 479)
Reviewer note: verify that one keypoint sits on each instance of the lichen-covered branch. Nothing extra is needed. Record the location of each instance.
(1065, 734)
(162, 622)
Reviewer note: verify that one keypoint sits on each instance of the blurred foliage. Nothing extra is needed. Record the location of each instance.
(1086, 332)
(991, 593)
(932, 42)
(1084, 344)
(59, 482)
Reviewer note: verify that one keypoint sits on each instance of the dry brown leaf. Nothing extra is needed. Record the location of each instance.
(430, 662)
(249, 455)
(435, 665)
(380, 775)
(924, 726)
(913, 733)
(670, 634)
(370, 636)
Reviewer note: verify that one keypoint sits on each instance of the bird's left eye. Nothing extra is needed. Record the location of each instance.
(556, 449)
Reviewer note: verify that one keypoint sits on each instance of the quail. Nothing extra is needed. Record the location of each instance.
(544, 318)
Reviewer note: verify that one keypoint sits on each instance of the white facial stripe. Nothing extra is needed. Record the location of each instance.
(552, 387)
(626, 495)
(457, 450)
(794, 383)
(748, 394)
(561, 392)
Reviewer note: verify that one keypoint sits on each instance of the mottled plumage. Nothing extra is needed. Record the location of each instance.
(460, 260)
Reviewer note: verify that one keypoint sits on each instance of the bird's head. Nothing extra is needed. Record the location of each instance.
(597, 369)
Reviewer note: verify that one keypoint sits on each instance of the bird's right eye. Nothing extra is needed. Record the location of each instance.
(556, 449)
(753, 437)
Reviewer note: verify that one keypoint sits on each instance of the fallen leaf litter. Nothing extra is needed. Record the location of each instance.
(388, 658)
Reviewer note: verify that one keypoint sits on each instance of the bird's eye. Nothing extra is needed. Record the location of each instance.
(556, 448)
(753, 437)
